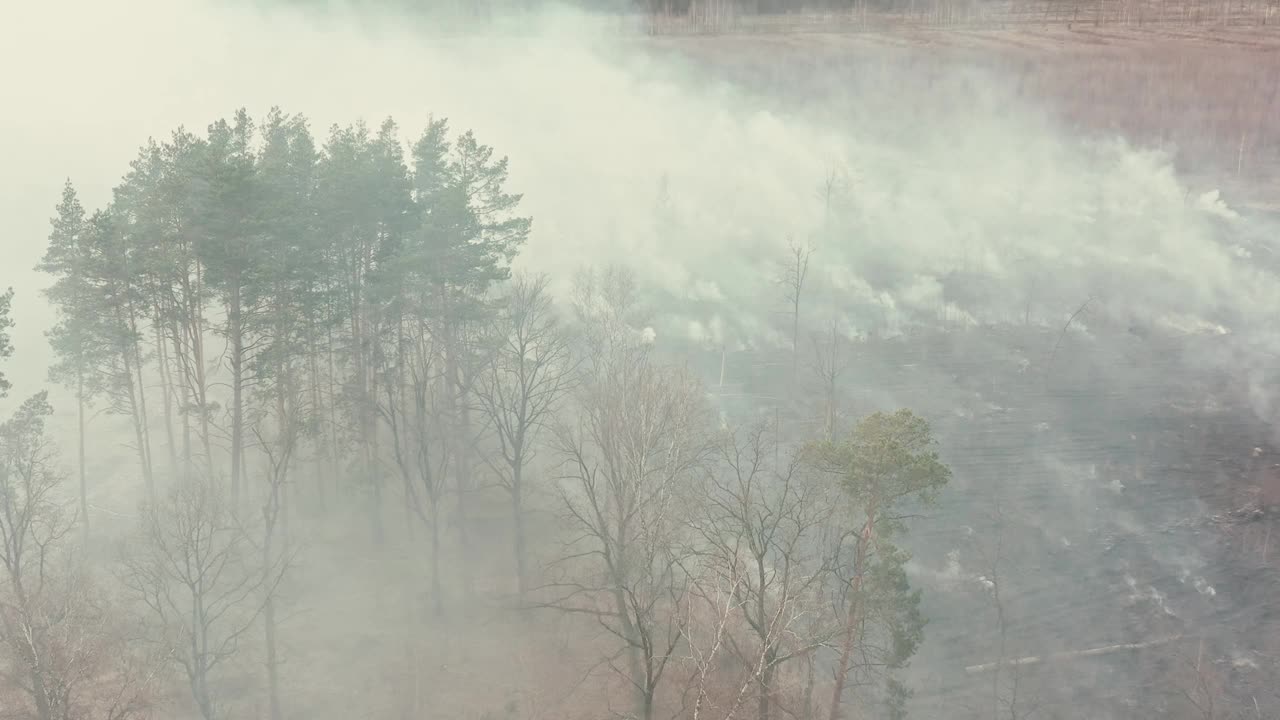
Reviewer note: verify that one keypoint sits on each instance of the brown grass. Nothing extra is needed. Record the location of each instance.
(1207, 94)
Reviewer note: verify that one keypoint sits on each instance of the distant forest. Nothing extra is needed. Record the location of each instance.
(712, 16)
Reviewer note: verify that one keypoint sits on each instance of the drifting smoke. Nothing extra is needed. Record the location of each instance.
(960, 209)
(953, 204)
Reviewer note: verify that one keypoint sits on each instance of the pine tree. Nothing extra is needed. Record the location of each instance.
(228, 248)
(365, 210)
(468, 235)
(887, 461)
(160, 200)
(77, 340)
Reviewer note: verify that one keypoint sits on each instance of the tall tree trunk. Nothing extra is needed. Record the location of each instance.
(185, 397)
(235, 323)
(517, 511)
(84, 485)
(166, 386)
(362, 342)
(765, 700)
(136, 414)
(333, 412)
(273, 668)
(437, 588)
(808, 685)
(144, 422)
(201, 388)
(638, 679)
(461, 415)
(317, 407)
(854, 619)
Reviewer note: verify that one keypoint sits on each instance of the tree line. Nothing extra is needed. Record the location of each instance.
(284, 326)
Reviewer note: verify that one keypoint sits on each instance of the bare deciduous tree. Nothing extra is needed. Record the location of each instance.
(32, 521)
(194, 568)
(276, 554)
(764, 533)
(420, 443)
(64, 648)
(629, 474)
(528, 373)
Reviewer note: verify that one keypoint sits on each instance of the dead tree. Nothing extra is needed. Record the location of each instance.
(526, 376)
(1007, 700)
(829, 363)
(792, 275)
(193, 568)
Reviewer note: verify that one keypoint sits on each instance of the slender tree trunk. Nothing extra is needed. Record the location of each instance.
(269, 621)
(273, 514)
(808, 686)
(853, 620)
(84, 485)
(166, 387)
(517, 511)
(437, 589)
(39, 691)
(273, 669)
(201, 388)
(144, 423)
(236, 326)
(643, 698)
(362, 341)
(135, 413)
(461, 415)
(185, 398)
(317, 405)
(286, 421)
(766, 686)
(795, 335)
(332, 427)
(18, 629)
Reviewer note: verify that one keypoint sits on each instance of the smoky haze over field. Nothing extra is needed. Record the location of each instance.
(1042, 295)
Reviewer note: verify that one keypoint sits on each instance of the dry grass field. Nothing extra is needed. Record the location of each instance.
(1174, 76)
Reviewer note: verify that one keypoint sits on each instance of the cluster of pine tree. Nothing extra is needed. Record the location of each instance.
(291, 273)
(279, 323)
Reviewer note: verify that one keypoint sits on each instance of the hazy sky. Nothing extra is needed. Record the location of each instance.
(965, 180)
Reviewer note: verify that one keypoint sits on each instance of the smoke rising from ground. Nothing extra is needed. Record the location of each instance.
(928, 202)
(961, 183)
(960, 179)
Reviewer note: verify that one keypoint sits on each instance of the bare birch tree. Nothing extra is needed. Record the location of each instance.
(764, 533)
(62, 645)
(32, 521)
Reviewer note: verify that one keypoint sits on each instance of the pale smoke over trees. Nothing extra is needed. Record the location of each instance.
(414, 469)
(285, 325)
